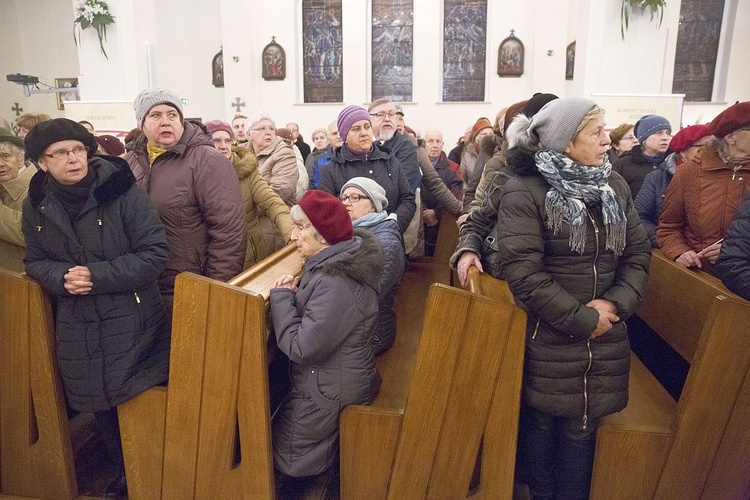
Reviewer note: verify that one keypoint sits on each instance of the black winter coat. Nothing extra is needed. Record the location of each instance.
(633, 167)
(733, 266)
(380, 166)
(566, 373)
(113, 343)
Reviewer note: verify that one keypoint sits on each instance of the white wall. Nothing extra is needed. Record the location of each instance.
(37, 40)
(187, 33)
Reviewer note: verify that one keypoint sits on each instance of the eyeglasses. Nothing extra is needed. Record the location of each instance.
(218, 141)
(352, 198)
(383, 114)
(263, 129)
(62, 154)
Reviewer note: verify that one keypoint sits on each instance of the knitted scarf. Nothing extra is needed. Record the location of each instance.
(574, 187)
(372, 219)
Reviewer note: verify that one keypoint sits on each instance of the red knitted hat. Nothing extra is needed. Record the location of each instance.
(687, 136)
(480, 125)
(733, 118)
(328, 215)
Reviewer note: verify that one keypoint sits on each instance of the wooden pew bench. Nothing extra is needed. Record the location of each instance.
(208, 435)
(696, 447)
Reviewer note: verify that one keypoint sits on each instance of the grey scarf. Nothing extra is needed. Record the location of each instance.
(573, 187)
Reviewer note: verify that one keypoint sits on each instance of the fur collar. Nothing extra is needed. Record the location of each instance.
(521, 162)
(114, 179)
(360, 259)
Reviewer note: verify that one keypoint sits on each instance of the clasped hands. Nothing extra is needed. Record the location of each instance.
(607, 316)
(286, 281)
(78, 280)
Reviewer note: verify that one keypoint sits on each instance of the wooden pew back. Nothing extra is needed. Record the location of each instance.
(658, 449)
(208, 435)
(429, 447)
(36, 456)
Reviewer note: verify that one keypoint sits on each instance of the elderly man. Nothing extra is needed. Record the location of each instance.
(323, 322)
(303, 147)
(240, 134)
(414, 161)
(15, 175)
(193, 187)
(450, 173)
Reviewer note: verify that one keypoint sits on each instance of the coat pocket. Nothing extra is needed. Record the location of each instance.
(325, 403)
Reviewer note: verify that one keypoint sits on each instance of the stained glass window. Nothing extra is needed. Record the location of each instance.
(322, 49)
(697, 48)
(464, 49)
(392, 49)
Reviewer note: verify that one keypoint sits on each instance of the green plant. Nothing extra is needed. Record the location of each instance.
(93, 13)
(629, 7)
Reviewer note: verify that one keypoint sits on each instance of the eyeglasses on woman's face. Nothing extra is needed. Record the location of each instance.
(62, 154)
(352, 198)
(264, 129)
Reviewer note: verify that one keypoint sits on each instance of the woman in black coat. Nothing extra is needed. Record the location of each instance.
(95, 243)
(576, 258)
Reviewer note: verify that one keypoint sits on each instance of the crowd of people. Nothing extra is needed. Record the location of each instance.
(546, 200)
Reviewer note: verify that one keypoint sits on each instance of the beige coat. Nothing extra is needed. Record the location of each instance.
(12, 194)
(260, 203)
(278, 166)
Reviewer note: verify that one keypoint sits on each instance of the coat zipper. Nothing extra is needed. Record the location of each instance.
(536, 328)
(588, 341)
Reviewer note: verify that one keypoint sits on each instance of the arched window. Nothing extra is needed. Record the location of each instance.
(392, 49)
(464, 49)
(322, 50)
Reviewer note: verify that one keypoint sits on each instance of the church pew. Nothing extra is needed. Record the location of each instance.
(428, 446)
(208, 434)
(696, 447)
(36, 454)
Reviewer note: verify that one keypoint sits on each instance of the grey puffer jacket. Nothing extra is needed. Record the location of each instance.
(113, 343)
(733, 266)
(389, 236)
(566, 373)
(325, 328)
(197, 194)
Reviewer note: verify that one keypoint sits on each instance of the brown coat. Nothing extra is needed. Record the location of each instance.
(12, 194)
(197, 194)
(700, 203)
(259, 200)
(278, 166)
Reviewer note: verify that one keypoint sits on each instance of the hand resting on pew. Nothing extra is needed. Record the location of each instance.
(286, 281)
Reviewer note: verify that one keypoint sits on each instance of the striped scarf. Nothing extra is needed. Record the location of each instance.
(574, 187)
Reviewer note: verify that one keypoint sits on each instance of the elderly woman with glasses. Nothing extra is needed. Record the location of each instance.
(262, 205)
(95, 243)
(15, 175)
(365, 202)
(277, 162)
(359, 157)
(705, 192)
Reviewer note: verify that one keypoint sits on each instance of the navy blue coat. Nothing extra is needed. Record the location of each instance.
(112, 343)
(650, 198)
(733, 266)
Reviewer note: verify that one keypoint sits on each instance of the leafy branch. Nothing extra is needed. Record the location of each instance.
(629, 7)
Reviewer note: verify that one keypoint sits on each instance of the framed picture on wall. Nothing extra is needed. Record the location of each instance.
(510, 56)
(71, 95)
(274, 61)
(570, 60)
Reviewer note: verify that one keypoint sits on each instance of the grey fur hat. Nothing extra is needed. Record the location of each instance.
(149, 98)
(372, 189)
(552, 127)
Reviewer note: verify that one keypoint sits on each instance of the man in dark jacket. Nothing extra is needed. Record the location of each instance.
(95, 244)
(324, 323)
(194, 188)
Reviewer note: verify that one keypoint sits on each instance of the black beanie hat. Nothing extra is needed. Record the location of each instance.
(536, 103)
(47, 133)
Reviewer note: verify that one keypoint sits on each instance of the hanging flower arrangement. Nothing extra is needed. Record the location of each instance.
(631, 7)
(93, 13)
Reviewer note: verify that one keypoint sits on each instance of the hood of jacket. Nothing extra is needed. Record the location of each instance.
(114, 179)
(244, 162)
(521, 162)
(360, 259)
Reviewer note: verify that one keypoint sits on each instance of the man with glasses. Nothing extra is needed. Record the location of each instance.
(193, 187)
(415, 163)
